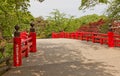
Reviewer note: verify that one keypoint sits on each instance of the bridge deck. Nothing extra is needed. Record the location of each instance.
(67, 57)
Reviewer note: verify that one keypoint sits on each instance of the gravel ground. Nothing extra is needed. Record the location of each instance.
(68, 57)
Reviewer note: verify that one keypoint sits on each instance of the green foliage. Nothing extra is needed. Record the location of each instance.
(104, 28)
(13, 12)
(90, 18)
(8, 50)
(58, 22)
(90, 3)
(40, 25)
(113, 10)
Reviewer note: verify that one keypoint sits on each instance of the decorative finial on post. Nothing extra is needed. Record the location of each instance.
(32, 29)
(17, 33)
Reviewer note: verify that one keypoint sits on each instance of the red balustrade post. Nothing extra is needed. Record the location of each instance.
(81, 35)
(33, 36)
(53, 35)
(17, 57)
(101, 41)
(110, 39)
(76, 36)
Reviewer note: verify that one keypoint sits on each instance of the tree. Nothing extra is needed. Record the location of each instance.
(113, 10)
(90, 3)
(40, 25)
(14, 12)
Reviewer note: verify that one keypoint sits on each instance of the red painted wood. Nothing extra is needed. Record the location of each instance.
(33, 48)
(22, 46)
(17, 57)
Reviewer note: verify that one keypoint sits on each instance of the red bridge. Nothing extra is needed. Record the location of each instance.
(66, 57)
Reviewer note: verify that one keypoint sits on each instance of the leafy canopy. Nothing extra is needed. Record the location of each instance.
(113, 10)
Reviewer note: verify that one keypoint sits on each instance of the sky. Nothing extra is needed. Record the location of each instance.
(69, 7)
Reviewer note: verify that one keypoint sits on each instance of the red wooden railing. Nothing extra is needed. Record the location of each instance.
(23, 44)
(111, 39)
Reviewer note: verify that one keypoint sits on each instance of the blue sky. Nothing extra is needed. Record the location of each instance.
(69, 7)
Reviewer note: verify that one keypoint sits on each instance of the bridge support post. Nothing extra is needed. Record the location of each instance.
(110, 39)
(33, 35)
(17, 57)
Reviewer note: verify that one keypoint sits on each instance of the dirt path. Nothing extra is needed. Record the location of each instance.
(67, 57)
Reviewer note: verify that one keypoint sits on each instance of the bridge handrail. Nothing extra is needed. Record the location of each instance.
(109, 38)
(28, 39)
(23, 44)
